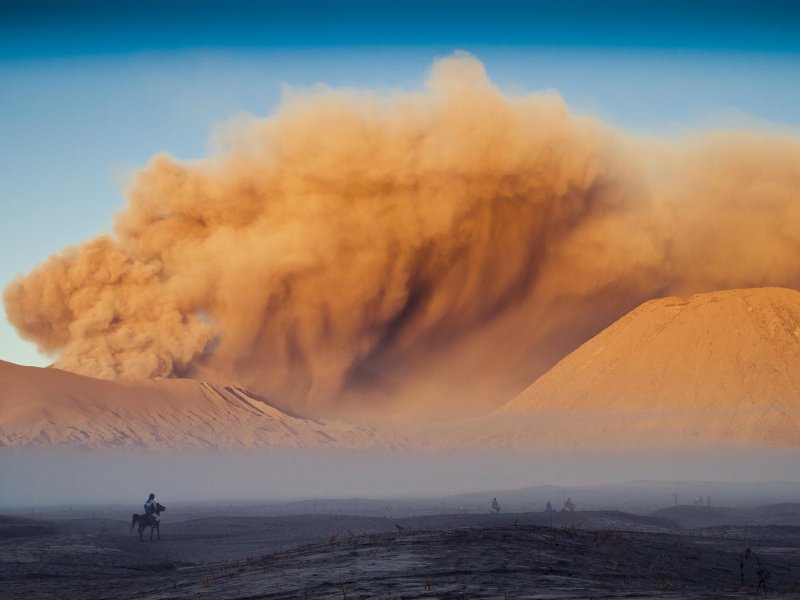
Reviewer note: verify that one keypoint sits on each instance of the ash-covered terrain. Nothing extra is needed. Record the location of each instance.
(219, 551)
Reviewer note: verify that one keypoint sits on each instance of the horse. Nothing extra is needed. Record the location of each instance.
(143, 521)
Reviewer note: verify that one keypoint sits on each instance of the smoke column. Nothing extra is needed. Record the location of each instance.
(428, 252)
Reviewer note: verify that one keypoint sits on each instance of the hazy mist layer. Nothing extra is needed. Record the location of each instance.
(424, 252)
(47, 477)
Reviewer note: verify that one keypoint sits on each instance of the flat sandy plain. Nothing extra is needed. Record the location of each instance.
(585, 554)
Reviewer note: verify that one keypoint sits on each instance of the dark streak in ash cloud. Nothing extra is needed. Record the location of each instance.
(427, 252)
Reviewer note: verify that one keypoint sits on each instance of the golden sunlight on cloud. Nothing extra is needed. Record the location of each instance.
(430, 251)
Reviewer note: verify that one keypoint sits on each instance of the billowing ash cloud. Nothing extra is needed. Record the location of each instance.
(430, 251)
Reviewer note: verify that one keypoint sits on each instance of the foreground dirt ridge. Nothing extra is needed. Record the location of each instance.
(508, 560)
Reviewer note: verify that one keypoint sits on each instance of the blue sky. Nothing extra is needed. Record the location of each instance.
(89, 91)
(84, 27)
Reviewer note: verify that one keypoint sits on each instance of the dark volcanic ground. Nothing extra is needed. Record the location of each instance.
(527, 555)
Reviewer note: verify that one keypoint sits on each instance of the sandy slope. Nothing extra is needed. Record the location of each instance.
(718, 367)
(50, 406)
(731, 348)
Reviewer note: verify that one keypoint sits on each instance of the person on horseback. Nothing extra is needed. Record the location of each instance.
(150, 518)
(150, 509)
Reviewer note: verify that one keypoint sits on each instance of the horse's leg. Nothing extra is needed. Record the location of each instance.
(133, 522)
(158, 530)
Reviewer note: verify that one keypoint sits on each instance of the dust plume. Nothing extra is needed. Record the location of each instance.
(424, 252)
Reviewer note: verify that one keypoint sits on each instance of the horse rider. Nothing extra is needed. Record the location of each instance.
(150, 509)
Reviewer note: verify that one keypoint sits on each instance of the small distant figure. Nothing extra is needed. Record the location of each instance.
(675, 497)
(569, 505)
(549, 507)
(150, 510)
(699, 501)
(495, 508)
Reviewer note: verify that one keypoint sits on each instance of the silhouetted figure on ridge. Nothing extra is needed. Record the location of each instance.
(150, 509)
